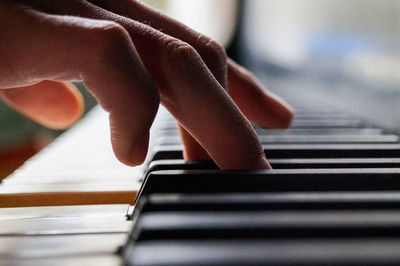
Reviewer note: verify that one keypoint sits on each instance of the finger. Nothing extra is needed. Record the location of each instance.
(211, 52)
(56, 105)
(105, 60)
(191, 93)
(206, 111)
(193, 151)
(262, 107)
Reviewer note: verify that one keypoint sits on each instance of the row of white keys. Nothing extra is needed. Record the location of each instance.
(79, 167)
(64, 235)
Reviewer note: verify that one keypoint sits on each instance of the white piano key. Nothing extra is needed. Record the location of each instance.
(64, 226)
(98, 260)
(110, 210)
(54, 247)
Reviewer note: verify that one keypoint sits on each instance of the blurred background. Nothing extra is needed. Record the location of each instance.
(342, 52)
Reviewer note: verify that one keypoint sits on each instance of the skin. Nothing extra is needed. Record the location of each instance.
(131, 68)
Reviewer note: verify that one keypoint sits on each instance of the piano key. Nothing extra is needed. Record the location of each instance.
(306, 116)
(319, 131)
(270, 201)
(97, 259)
(332, 150)
(294, 131)
(328, 123)
(306, 123)
(300, 107)
(109, 210)
(59, 246)
(337, 116)
(266, 224)
(64, 226)
(336, 163)
(286, 180)
(68, 180)
(45, 195)
(179, 164)
(299, 139)
(340, 252)
(281, 151)
(45, 235)
(298, 115)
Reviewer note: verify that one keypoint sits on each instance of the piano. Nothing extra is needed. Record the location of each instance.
(332, 197)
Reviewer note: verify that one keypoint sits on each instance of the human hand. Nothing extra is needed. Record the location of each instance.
(131, 58)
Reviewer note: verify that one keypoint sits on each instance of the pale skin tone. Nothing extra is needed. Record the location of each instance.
(131, 68)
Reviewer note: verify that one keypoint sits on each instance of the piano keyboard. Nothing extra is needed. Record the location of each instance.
(331, 199)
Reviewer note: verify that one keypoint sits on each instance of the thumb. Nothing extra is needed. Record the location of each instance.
(53, 104)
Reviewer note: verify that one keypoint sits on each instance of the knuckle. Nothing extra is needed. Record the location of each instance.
(180, 52)
(110, 39)
(212, 50)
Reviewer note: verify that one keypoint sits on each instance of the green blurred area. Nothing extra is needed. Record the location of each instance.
(159, 4)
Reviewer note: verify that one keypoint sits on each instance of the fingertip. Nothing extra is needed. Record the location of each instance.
(260, 105)
(53, 104)
(280, 113)
(71, 108)
(129, 145)
(140, 149)
(262, 164)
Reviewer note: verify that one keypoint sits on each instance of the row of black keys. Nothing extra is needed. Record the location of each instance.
(332, 199)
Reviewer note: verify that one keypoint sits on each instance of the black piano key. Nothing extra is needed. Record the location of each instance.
(270, 201)
(328, 123)
(281, 151)
(332, 150)
(335, 163)
(300, 116)
(298, 131)
(319, 131)
(316, 116)
(214, 181)
(307, 252)
(313, 123)
(266, 224)
(179, 164)
(300, 139)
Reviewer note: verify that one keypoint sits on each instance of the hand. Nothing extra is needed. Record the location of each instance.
(131, 58)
